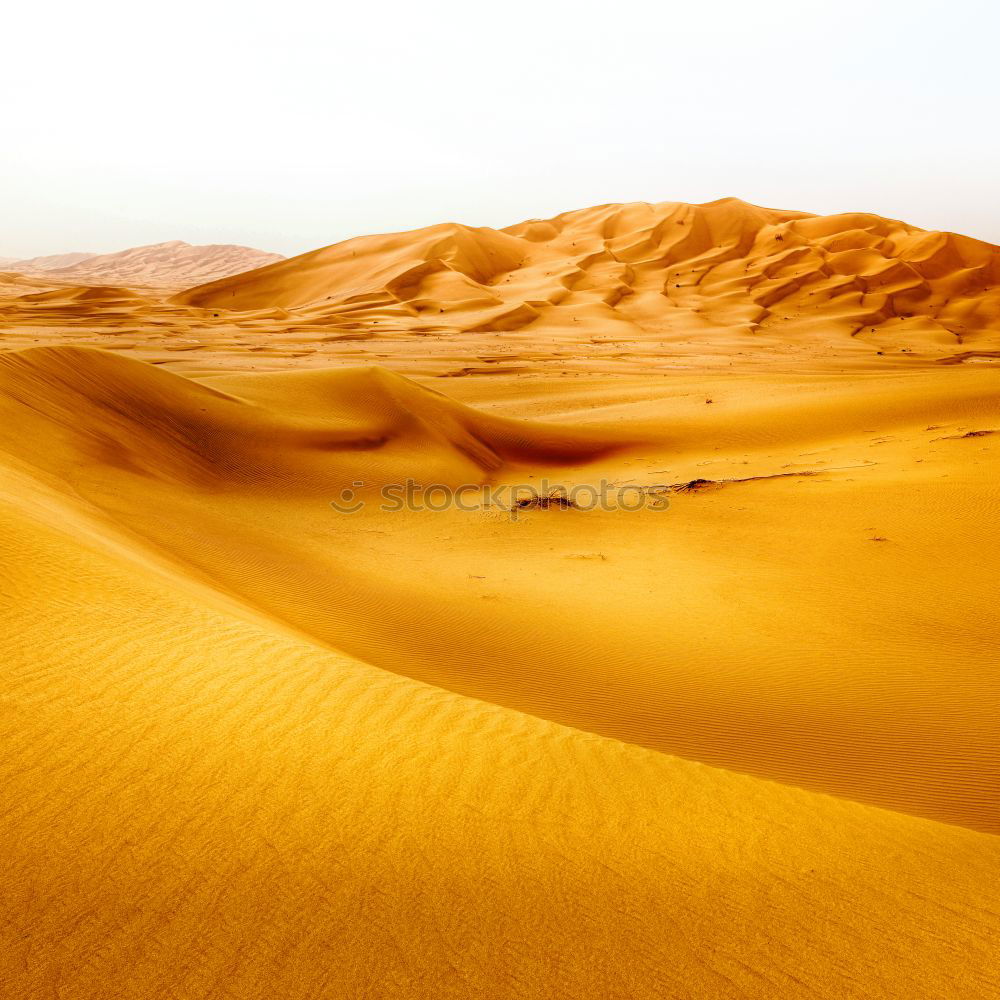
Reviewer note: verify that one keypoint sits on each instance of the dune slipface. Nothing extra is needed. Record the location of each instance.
(284, 718)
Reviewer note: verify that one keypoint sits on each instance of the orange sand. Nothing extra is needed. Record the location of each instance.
(742, 747)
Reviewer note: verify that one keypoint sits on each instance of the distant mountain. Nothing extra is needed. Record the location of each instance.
(164, 264)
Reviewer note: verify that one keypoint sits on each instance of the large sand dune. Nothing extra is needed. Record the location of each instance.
(171, 264)
(741, 742)
(620, 289)
(709, 274)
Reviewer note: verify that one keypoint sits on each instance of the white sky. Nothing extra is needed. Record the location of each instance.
(290, 125)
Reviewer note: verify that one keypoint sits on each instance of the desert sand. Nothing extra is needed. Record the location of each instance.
(158, 265)
(742, 742)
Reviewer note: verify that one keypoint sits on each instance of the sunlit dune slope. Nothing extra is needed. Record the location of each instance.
(202, 802)
(670, 271)
(857, 659)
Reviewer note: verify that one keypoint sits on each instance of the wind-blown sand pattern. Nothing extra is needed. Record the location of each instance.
(745, 746)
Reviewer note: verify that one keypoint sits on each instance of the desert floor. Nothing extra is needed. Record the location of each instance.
(740, 742)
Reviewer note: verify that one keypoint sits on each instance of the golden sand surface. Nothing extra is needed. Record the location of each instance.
(741, 741)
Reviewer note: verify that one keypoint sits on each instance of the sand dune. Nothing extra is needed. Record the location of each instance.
(708, 272)
(240, 812)
(741, 742)
(170, 264)
(619, 289)
(722, 630)
(50, 262)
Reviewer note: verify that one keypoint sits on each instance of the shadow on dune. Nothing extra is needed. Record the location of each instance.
(92, 405)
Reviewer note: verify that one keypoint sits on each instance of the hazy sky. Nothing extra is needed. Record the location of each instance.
(291, 125)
